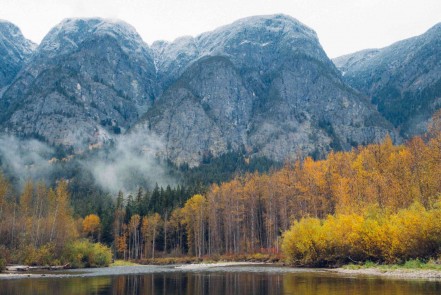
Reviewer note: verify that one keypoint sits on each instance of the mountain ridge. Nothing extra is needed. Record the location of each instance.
(403, 79)
(15, 51)
(277, 120)
(262, 84)
(88, 80)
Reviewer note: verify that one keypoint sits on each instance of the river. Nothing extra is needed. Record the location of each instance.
(231, 280)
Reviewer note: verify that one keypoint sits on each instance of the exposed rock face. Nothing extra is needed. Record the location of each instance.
(347, 62)
(88, 80)
(403, 80)
(206, 111)
(171, 59)
(261, 83)
(15, 51)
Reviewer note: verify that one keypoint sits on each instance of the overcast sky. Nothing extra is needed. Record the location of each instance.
(343, 26)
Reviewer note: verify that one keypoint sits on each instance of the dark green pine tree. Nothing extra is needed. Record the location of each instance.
(131, 208)
(141, 207)
(155, 200)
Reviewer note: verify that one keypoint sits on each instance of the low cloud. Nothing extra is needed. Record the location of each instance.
(129, 161)
(132, 160)
(25, 159)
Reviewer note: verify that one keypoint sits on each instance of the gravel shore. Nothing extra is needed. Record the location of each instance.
(394, 273)
(424, 274)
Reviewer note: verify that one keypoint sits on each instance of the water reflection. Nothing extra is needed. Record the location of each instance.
(72, 286)
(333, 285)
(198, 283)
(195, 283)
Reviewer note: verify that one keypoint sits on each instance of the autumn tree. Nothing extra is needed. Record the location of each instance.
(149, 229)
(63, 227)
(134, 237)
(194, 213)
(91, 227)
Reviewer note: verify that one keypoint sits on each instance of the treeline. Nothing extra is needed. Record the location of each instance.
(387, 202)
(38, 228)
(38, 217)
(249, 213)
(141, 222)
(221, 169)
(328, 211)
(46, 226)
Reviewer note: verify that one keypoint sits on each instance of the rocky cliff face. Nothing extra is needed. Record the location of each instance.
(88, 80)
(403, 80)
(263, 84)
(15, 51)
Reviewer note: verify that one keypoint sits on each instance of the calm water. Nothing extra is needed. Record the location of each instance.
(221, 280)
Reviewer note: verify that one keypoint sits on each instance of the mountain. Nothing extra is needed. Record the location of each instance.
(89, 80)
(15, 51)
(248, 43)
(263, 85)
(403, 79)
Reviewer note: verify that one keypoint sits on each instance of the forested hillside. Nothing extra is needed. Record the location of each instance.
(379, 202)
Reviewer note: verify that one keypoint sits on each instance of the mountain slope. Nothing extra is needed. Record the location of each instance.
(252, 44)
(263, 84)
(403, 80)
(15, 51)
(88, 80)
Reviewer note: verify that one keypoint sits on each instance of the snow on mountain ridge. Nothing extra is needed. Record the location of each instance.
(249, 42)
(402, 79)
(15, 51)
(391, 55)
(284, 25)
(71, 32)
(11, 33)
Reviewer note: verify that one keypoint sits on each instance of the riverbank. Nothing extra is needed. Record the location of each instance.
(426, 274)
(391, 271)
(412, 269)
(202, 266)
(15, 275)
(275, 259)
(131, 268)
(221, 278)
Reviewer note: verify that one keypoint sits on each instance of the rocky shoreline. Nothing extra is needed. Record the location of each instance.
(423, 274)
(427, 274)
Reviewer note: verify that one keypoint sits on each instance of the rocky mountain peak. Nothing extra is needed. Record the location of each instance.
(9, 31)
(260, 34)
(89, 80)
(403, 79)
(262, 84)
(261, 29)
(436, 29)
(253, 44)
(72, 32)
(15, 50)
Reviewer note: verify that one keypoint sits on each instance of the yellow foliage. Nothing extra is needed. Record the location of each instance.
(194, 220)
(410, 233)
(91, 224)
(303, 243)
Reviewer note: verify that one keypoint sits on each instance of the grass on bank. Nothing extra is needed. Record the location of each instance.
(413, 264)
(120, 262)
